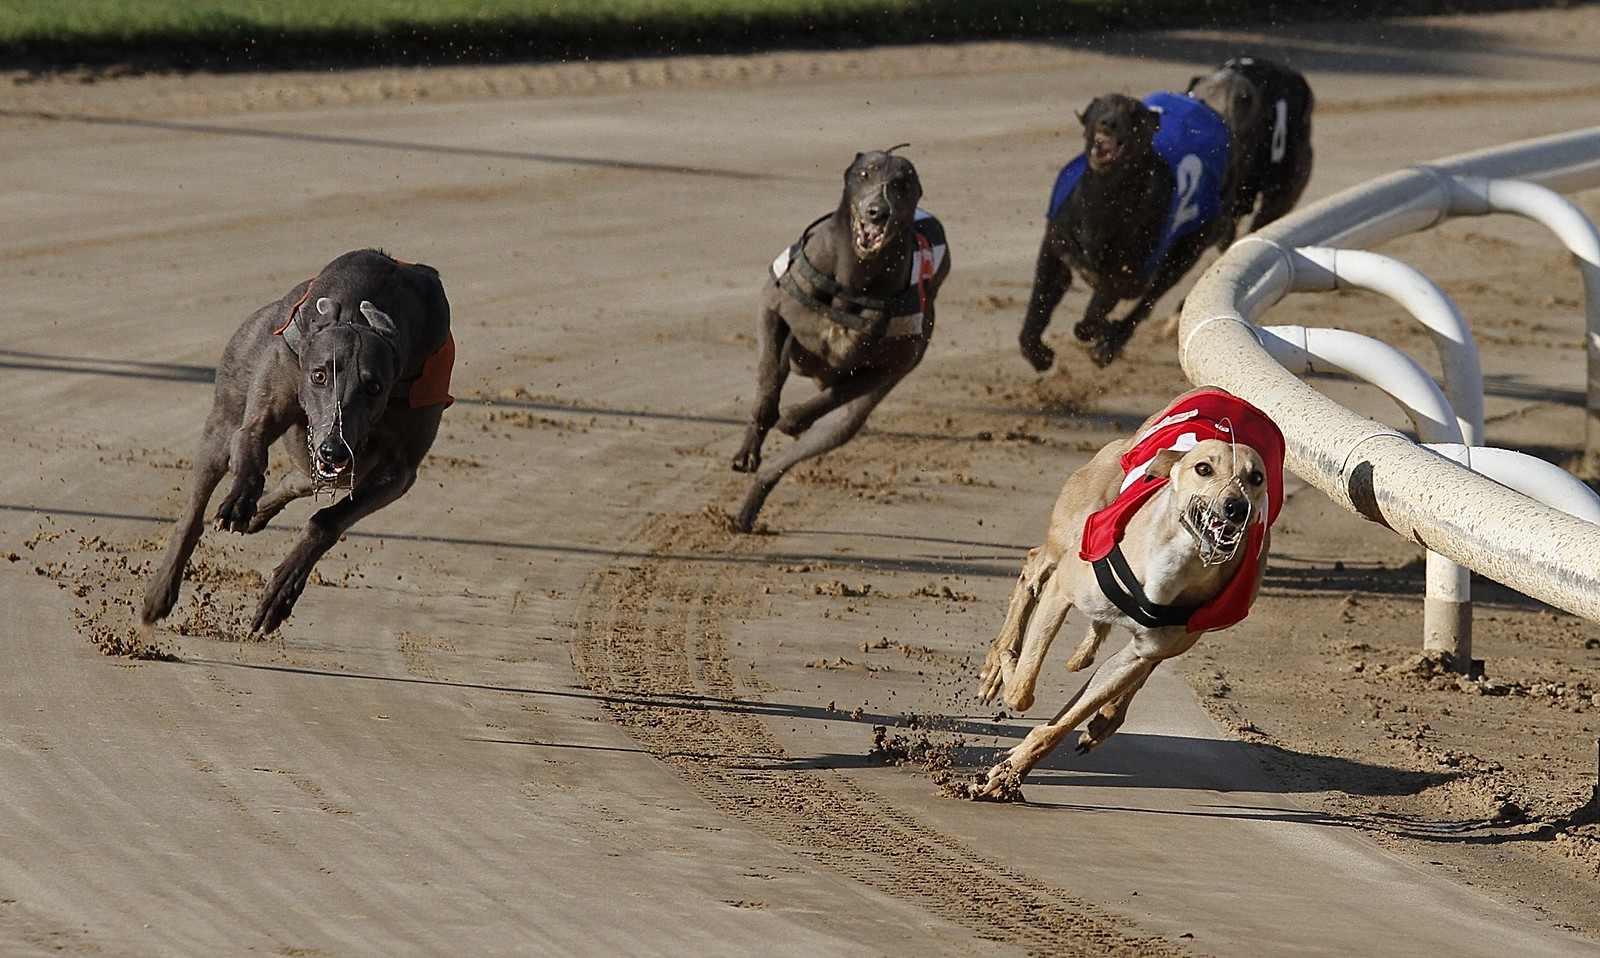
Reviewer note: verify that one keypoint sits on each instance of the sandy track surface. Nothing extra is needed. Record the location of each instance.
(547, 705)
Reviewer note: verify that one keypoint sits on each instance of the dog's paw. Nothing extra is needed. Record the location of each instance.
(1038, 355)
(747, 461)
(1002, 784)
(792, 424)
(237, 510)
(1088, 330)
(1105, 351)
(994, 674)
(278, 600)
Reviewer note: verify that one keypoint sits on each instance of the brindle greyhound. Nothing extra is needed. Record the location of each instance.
(352, 369)
(1131, 214)
(851, 307)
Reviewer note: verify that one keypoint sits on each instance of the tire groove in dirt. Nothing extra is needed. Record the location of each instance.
(650, 639)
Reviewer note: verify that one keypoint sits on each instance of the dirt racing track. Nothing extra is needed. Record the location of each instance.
(547, 704)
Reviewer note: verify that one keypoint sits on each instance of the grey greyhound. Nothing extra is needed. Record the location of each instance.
(850, 306)
(352, 370)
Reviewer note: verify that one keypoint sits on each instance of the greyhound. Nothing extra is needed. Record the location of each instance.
(352, 369)
(1166, 534)
(850, 306)
(1132, 213)
(1267, 107)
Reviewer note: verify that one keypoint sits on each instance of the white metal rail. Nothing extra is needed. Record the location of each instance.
(1369, 468)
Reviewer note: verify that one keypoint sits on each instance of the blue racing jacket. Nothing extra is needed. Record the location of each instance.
(1194, 142)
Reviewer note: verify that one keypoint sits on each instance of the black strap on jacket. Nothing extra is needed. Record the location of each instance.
(868, 315)
(1117, 581)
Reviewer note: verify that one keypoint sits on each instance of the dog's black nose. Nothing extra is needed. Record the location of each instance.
(333, 451)
(1236, 510)
(876, 212)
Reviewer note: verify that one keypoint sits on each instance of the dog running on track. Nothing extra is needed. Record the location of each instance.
(1131, 214)
(1165, 534)
(1267, 107)
(850, 306)
(352, 370)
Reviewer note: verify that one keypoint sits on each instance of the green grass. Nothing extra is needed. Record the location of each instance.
(245, 34)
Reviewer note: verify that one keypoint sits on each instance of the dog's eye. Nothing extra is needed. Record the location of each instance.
(1256, 478)
(1203, 468)
(374, 387)
(319, 378)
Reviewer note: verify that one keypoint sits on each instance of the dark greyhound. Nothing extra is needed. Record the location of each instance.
(1132, 214)
(1267, 107)
(851, 307)
(352, 369)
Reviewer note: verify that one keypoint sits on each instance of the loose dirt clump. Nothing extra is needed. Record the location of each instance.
(927, 749)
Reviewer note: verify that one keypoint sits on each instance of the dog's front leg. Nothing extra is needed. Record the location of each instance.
(1051, 278)
(266, 417)
(799, 417)
(210, 465)
(1000, 664)
(1112, 337)
(1055, 601)
(772, 369)
(1089, 647)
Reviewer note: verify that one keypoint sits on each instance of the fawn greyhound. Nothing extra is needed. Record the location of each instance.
(1165, 534)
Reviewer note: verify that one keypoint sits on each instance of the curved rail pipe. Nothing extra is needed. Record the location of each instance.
(1372, 470)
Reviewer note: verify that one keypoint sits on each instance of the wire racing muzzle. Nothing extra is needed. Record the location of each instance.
(1218, 523)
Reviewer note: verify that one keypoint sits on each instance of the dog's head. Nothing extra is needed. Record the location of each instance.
(1115, 126)
(1220, 489)
(347, 370)
(1231, 95)
(881, 191)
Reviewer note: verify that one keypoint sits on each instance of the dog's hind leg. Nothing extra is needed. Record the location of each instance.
(1121, 676)
(1051, 278)
(799, 417)
(1106, 721)
(1283, 191)
(210, 465)
(1089, 647)
(1053, 605)
(1095, 323)
(1112, 337)
(999, 666)
(830, 431)
(294, 485)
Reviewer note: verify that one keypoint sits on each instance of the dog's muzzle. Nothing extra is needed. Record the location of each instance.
(332, 460)
(868, 236)
(1218, 524)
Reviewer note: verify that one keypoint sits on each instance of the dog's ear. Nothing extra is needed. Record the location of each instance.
(327, 315)
(1161, 465)
(915, 181)
(1193, 82)
(379, 320)
(1086, 112)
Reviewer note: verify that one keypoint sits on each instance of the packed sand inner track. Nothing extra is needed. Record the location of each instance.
(548, 704)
